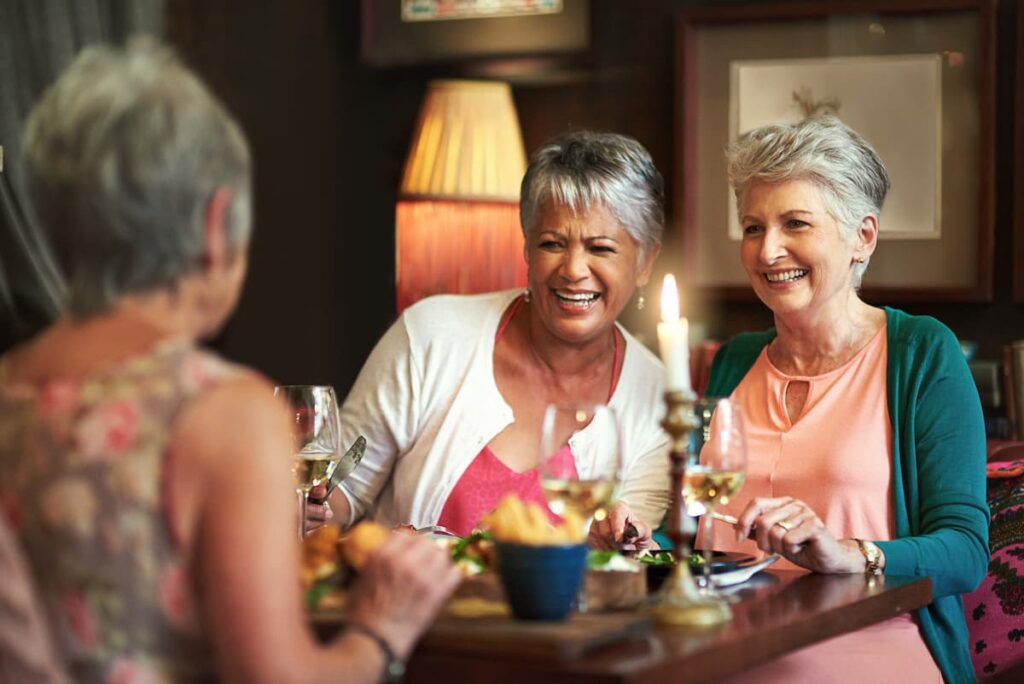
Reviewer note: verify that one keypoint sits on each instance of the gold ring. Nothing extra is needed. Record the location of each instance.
(785, 524)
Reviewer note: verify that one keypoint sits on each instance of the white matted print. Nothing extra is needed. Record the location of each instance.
(895, 102)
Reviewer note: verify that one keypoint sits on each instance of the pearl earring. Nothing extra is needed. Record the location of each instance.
(526, 295)
(641, 301)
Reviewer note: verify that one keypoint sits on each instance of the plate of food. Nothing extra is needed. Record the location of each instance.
(660, 563)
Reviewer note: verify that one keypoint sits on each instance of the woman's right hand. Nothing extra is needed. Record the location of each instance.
(790, 528)
(401, 588)
(621, 530)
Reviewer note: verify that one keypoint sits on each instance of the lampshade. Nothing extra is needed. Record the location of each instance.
(457, 219)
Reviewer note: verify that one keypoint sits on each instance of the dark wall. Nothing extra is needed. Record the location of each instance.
(330, 135)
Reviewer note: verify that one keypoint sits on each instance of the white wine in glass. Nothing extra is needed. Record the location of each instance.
(314, 412)
(708, 487)
(718, 472)
(580, 460)
(313, 468)
(585, 498)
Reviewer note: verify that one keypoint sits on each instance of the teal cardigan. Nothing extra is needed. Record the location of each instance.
(938, 453)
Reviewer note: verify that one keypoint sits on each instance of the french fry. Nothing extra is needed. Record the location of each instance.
(517, 522)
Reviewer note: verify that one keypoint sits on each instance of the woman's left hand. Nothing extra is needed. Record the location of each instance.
(621, 531)
(789, 527)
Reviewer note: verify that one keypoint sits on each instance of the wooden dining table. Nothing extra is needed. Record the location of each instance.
(776, 613)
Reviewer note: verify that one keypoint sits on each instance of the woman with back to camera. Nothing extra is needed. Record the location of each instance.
(149, 481)
(865, 434)
(452, 397)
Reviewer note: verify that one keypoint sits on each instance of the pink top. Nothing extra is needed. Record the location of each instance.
(485, 482)
(487, 479)
(837, 458)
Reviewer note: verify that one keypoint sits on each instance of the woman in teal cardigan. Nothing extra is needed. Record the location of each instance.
(809, 196)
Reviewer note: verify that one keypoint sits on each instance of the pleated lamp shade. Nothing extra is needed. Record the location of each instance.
(457, 219)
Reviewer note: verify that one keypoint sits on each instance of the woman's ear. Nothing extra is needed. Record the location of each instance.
(216, 252)
(647, 259)
(867, 238)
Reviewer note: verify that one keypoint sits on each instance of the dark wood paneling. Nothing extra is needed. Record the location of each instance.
(330, 135)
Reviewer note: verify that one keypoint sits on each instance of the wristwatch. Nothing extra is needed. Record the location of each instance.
(394, 667)
(872, 556)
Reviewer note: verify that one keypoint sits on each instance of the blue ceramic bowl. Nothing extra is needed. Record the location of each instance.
(541, 582)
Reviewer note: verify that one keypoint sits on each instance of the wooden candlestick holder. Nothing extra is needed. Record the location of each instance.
(679, 602)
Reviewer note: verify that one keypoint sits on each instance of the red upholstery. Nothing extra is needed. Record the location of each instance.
(995, 610)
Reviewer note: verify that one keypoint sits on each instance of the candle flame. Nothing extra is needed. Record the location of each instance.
(669, 299)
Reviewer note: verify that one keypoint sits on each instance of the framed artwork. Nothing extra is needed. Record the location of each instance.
(1018, 167)
(915, 77)
(397, 33)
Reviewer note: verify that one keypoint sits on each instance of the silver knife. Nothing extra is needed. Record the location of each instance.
(346, 464)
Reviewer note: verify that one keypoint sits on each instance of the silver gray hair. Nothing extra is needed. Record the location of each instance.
(122, 155)
(582, 169)
(823, 150)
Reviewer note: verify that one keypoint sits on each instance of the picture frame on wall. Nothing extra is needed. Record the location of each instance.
(915, 77)
(457, 32)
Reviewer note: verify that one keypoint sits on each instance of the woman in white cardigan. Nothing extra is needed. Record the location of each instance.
(451, 398)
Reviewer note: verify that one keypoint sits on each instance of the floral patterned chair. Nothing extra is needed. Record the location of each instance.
(995, 610)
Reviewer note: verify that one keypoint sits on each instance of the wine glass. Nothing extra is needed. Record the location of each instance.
(314, 411)
(580, 460)
(717, 473)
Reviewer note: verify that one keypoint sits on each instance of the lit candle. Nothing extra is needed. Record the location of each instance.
(674, 339)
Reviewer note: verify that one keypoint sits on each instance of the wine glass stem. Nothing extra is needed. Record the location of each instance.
(303, 500)
(707, 521)
(581, 593)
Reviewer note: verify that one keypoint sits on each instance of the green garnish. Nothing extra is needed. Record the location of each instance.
(459, 548)
(657, 558)
(598, 559)
(316, 593)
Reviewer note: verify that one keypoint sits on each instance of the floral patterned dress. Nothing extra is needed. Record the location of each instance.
(80, 484)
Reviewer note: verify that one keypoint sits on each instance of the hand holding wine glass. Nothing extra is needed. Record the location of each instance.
(580, 460)
(314, 411)
(717, 473)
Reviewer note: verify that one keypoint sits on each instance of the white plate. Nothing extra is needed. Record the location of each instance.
(743, 572)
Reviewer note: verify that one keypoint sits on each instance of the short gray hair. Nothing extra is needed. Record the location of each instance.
(121, 157)
(824, 151)
(581, 169)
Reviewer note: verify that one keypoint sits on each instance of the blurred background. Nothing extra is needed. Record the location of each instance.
(330, 107)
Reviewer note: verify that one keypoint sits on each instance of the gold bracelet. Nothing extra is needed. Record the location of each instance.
(872, 555)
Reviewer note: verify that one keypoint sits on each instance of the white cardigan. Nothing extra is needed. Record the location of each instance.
(427, 402)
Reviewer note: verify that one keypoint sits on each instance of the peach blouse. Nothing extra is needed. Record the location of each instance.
(837, 458)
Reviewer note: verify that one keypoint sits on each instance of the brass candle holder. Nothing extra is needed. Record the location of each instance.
(679, 602)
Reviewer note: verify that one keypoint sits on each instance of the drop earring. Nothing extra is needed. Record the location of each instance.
(641, 301)
(526, 295)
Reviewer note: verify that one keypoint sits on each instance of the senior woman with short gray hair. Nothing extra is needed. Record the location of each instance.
(866, 439)
(148, 481)
(452, 397)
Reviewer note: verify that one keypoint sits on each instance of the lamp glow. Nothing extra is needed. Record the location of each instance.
(457, 219)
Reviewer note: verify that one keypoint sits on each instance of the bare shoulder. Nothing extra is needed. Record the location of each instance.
(238, 419)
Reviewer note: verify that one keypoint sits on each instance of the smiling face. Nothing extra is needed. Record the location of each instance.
(794, 252)
(583, 269)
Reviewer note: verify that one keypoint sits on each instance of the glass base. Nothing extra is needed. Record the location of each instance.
(679, 603)
(691, 614)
